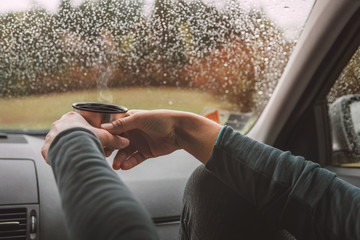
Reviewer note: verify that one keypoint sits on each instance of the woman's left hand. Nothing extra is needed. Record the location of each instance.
(109, 141)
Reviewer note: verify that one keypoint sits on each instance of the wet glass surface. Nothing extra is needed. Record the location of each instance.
(346, 86)
(216, 58)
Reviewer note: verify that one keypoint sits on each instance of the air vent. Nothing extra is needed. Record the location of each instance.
(13, 224)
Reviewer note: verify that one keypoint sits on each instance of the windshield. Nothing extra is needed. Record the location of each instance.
(221, 59)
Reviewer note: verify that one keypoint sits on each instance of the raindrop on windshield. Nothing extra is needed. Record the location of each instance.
(230, 49)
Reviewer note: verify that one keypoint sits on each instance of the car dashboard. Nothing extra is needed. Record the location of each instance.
(30, 205)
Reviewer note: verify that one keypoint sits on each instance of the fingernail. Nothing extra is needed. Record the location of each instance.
(107, 125)
(116, 166)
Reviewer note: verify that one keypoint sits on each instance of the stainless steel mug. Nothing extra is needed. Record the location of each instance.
(98, 113)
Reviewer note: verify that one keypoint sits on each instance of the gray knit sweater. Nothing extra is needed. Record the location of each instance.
(294, 194)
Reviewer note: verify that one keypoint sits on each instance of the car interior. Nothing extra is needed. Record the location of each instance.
(299, 113)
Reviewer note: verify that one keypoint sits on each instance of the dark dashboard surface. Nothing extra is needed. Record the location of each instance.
(27, 185)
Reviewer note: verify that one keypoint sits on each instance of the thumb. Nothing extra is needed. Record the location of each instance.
(115, 142)
(122, 125)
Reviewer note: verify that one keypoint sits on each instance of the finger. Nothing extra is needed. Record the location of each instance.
(133, 160)
(122, 125)
(112, 141)
(108, 151)
(44, 152)
(45, 148)
(119, 158)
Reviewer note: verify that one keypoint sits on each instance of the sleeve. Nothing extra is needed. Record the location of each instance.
(96, 203)
(287, 190)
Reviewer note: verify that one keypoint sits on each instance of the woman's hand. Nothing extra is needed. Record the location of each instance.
(73, 119)
(160, 132)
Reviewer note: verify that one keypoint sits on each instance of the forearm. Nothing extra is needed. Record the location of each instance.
(96, 203)
(340, 211)
(284, 188)
(196, 134)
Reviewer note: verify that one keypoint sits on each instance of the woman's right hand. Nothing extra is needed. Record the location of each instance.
(159, 132)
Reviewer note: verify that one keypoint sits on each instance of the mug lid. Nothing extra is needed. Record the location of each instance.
(99, 107)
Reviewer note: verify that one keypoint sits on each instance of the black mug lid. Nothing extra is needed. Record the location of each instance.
(99, 107)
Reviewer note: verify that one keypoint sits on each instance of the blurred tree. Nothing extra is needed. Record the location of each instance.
(236, 54)
(349, 80)
(247, 60)
(30, 49)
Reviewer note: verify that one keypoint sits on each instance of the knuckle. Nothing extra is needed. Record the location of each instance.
(71, 115)
(68, 115)
(118, 124)
(54, 127)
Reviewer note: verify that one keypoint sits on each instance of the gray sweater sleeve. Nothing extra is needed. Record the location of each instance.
(96, 203)
(287, 190)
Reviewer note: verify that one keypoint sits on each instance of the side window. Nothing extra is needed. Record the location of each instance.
(344, 113)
